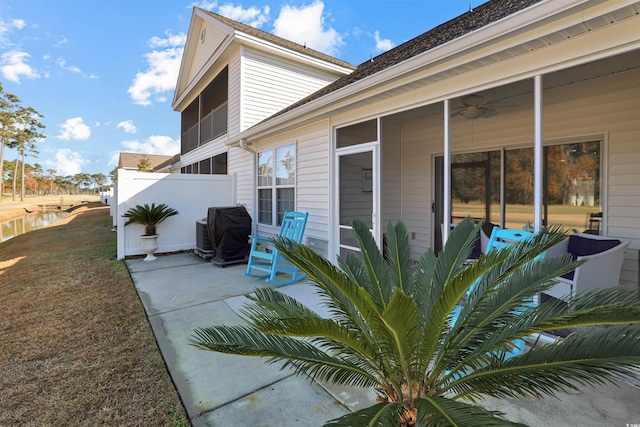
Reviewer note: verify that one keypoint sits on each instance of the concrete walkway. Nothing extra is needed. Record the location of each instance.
(182, 292)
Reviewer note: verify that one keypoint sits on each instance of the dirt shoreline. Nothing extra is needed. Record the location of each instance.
(10, 210)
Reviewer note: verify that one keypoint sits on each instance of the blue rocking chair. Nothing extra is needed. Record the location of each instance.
(269, 264)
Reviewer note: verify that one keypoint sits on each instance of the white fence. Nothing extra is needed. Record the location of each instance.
(191, 195)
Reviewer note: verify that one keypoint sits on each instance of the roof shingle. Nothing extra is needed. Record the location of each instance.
(238, 26)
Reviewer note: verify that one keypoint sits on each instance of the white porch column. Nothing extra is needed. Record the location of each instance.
(537, 154)
(447, 172)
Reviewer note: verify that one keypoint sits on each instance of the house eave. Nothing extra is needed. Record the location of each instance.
(252, 41)
(510, 31)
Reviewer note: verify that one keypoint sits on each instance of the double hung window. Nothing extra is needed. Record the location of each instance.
(276, 183)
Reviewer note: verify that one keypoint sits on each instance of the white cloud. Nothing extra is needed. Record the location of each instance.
(162, 71)
(67, 162)
(127, 126)
(204, 4)
(155, 144)
(172, 40)
(305, 25)
(6, 27)
(14, 66)
(252, 16)
(18, 23)
(75, 129)
(60, 42)
(114, 159)
(382, 45)
(63, 64)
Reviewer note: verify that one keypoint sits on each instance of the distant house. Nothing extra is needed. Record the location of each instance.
(526, 112)
(152, 162)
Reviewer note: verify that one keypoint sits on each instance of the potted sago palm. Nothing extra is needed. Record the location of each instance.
(150, 217)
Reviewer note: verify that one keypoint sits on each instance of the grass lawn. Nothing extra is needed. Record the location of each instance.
(75, 344)
(517, 215)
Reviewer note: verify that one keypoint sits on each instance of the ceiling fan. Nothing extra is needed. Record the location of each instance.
(474, 106)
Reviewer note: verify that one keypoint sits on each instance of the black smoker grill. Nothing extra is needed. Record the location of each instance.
(229, 229)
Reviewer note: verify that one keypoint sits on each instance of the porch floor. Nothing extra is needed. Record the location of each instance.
(182, 292)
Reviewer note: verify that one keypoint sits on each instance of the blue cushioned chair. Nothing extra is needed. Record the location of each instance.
(502, 238)
(269, 264)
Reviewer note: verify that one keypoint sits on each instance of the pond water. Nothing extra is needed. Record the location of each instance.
(30, 222)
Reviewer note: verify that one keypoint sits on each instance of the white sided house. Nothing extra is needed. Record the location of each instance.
(526, 112)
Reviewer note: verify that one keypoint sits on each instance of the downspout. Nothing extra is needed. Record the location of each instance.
(254, 215)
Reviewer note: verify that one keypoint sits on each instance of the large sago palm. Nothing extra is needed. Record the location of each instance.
(435, 336)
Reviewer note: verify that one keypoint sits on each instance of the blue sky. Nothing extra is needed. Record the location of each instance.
(103, 72)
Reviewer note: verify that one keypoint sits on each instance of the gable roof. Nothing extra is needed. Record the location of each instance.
(474, 19)
(131, 160)
(238, 26)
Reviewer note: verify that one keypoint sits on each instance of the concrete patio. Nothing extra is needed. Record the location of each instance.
(182, 292)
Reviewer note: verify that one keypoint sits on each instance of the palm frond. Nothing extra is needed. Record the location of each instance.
(424, 291)
(149, 216)
(503, 295)
(441, 411)
(275, 313)
(378, 283)
(450, 281)
(603, 356)
(398, 257)
(380, 414)
(302, 356)
(402, 335)
(358, 308)
(342, 295)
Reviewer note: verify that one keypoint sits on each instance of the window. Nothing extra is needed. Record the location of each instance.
(276, 184)
(219, 164)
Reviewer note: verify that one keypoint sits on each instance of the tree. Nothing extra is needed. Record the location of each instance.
(9, 104)
(113, 175)
(98, 180)
(26, 133)
(144, 165)
(52, 178)
(406, 330)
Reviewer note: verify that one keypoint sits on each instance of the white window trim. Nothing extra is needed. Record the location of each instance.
(274, 187)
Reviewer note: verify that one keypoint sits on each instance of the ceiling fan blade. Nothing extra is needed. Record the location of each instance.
(474, 101)
(488, 112)
(457, 112)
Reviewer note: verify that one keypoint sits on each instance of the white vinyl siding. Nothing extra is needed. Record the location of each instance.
(391, 174)
(416, 176)
(313, 179)
(270, 84)
(240, 162)
(205, 50)
(234, 98)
